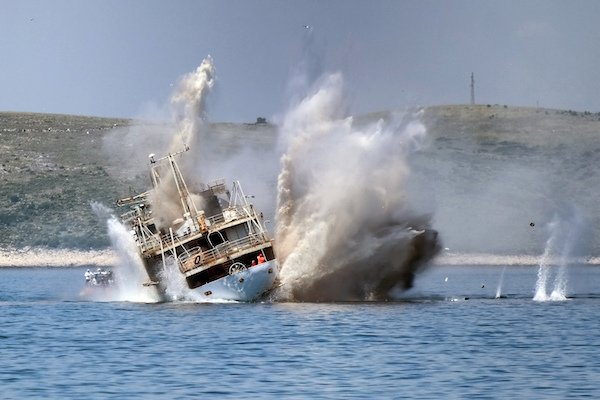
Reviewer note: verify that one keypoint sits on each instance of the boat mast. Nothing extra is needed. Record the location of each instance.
(184, 193)
(189, 207)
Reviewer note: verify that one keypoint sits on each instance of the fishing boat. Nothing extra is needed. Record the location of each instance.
(217, 240)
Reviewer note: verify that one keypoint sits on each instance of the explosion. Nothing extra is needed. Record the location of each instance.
(345, 227)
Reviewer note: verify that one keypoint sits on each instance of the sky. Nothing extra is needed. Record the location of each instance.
(121, 58)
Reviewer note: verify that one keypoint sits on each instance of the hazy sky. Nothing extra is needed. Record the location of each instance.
(120, 58)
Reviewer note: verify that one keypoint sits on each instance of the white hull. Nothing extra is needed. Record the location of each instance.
(246, 285)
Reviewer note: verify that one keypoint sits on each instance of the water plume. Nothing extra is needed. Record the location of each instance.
(500, 283)
(564, 233)
(181, 122)
(129, 271)
(189, 104)
(188, 129)
(345, 227)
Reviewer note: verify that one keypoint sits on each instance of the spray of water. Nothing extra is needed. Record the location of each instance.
(129, 271)
(345, 227)
(544, 268)
(127, 148)
(189, 105)
(189, 109)
(564, 233)
(570, 238)
(176, 289)
(500, 283)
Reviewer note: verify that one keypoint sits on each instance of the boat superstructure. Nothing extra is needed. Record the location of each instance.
(217, 239)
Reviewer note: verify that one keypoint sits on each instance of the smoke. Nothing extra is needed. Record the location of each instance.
(345, 227)
(128, 147)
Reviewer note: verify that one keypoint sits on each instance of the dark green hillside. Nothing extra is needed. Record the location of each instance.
(51, 168)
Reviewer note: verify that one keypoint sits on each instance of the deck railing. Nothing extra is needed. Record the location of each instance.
(220, 251)
(231, 214)
(153, 242)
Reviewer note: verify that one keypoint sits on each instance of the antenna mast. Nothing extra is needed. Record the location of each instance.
(472, 88)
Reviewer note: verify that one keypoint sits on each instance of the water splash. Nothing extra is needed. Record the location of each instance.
(559, 248)
(127, 148)
(346, 183)
(189, 104)
(176, 288)
(189, 110)
(129, 270)
(544, 268)
(500, 283)
(345, 226)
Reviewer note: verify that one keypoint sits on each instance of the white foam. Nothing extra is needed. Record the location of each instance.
(564, 234)
(500, 283)
(130, 273)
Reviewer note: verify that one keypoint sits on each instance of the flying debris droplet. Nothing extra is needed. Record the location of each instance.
(531, 224)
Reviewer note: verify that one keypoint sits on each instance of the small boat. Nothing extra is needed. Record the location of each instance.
(217, 239)
(99, 278)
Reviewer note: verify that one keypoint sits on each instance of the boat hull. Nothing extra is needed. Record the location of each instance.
(248, 285)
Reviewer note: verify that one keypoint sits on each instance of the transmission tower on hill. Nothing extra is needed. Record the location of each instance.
(472, 88)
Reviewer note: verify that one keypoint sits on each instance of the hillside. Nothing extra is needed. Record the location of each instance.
(497, 169)
(488, 172)
(51, 168)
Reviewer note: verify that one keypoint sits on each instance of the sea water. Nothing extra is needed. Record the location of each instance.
(448, 337)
